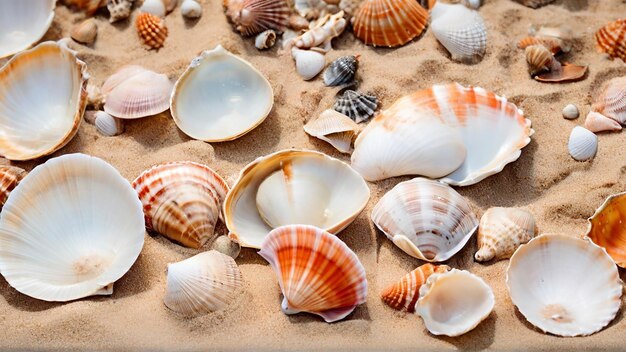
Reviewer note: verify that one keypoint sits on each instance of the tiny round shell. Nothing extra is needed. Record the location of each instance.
(85, 32)
(191, 9)
(107, 124)
(151, 29)
(583, 144)
(265, 40)
(225, 245)
(570, 112)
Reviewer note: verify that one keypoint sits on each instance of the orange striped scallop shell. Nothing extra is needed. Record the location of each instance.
(611, 39)
(405, 293)
(10, 176)
(151, 29)
(555, 45)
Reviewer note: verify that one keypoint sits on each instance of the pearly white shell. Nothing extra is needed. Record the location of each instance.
(155, 7)
(265, 40)
(309, 63)
(460, 30)
(107, 124)
(583, 144)
(191, 9)
(570, 112)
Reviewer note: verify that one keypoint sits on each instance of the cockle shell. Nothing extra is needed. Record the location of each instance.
(321, 34)
(151, 29)
(534, 3)
(119, 9)
(182, 201)
(335, 128)
(251, 17)
(502, 230)
(606, 227)
(611, 102)
(191, 9)
(341, 71)
(389, 23)
(309, 63)
(454, 302)
(359, 107)
(564, 285)
(155, 7)
(107, 124)
(23, 23)
(611, 39)
(316, 271)
(539, 58)
(70, 229)
(596, 122)
(35, 119)
(405, 293)
(202, 284)
(427, 219)
(582, 144)
(85, 32)
(460, 30)
(10, 176)
(265, 40)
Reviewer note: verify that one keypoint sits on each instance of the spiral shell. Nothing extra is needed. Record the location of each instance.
(341, 71)
(611, 39)
(502, 231)
(10, 176)
(359, 107)
(539, 58)
(151, 29)
(405, 293)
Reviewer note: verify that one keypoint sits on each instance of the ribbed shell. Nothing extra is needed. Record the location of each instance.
(182, 201)
(538, 58)
(502, 231)
(582, 144)
(555, 45)
(10, 176)
(202, 284)
(341, 71)
(389, 22)
(335, 128)
(460, 30)
(255, 16)
(316, 271)
(611, 102)
(151, 29)
(611, 39)
(534, 3)
(108, 125)
(405, 293)
(359, 107)
(427, 219)
(606, 227)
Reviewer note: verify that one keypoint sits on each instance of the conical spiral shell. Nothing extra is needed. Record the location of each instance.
(202, 284)
(10, 176)
(151, 29)
(611, 102)
(405, 293)
(596, 122)
(502, 231)
(316, 271)
(606, 227)
(460, 30)
(538, 58)
(611, 39)
(341, 71)
(182, 201)
(255, 16)
(357, 106)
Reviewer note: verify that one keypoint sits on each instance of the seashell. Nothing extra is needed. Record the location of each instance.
(10, 176)
(606, 227)
(23, 24)
(85, 32)
(119, 9)
(539, 59)
(134, 92)
(405, 293)
(226, 246)
(155, 7)
(562, 73)
(349, 7)
(251, 17)
(460, 30)
(264, 40)
(95, 98)
(202, 284)
(293, 187)
(611, 39)
(502, 231)
(389, 23)
(206, 103)
(170, 5)
(89, 6)
(427, 133)
(359, 107)
(298, 23)
(564, 285)
(596, 122)
(151, 29)
(534, 3)
(611, 102)
(555, 45)
(191, 9)
(427, 219)
(321, 34)
(182, 201)
(335, 128)
(309, 63)
(70, 229)
(570, 112)
(454, 302)
(427, 4)
(26, 94)
(332, 288)
(313, 9)
(583, 144)
(108, 125)
(341, 71)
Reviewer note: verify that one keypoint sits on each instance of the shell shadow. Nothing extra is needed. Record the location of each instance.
(480, 338)
(361, 312)
(23, 302)
(135, 281)
(191, 22)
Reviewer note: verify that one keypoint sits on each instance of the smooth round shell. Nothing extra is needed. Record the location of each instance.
(155, 7)
(23, 23)
(570, 112)
(85, 32)
(191, 9)
(606, 227)
(309, 63)
(582, 144)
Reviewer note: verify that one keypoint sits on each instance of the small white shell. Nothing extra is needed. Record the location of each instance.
(264, 40)
(583, 144)
(570, 112)
(460, 30)
(108, 125)
(309, 63)
(191, 9)
(596, 122)
(155, 7)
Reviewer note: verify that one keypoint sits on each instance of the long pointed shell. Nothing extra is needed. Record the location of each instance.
(502, 230)
(606, 227)
(596, 122)
(611, 39)
(582, 144)
(10, 176)
(335, 128)
(359, 107)
(427, 219)
(316, 271)
(405, 293)
(251, 17)
(202, 284)
(152, 30)
(23, 23)
(460, 30)
(611, 102)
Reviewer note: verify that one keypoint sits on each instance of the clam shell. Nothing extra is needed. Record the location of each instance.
(191, 9)
(119, 9)
(23, 23)
(426, 219)
(502, 231)
(403, 295)
(335, 128)
(611, 39)
(341, 71)
(42, 100)
(316, 271)
(71, 228)
(10, 176)
(182, 201)
(583, 144)
(359, 107)
(309, 63)
(611, 102)
(596, 122)
(389, 23)
(534, 3)
(108, 125)
(251, 17)
(460, 30)
(202, 284)
(338, 193)
(151, 29)
(155, 7)
(85, 32)
(606, 227)
(539, 58)
(564, 286)
(454, 302)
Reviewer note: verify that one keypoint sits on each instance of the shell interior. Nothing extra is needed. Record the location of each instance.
(606, 227)
(23, 23)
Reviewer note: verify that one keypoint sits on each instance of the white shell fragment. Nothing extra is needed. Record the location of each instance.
(460, 30)
(225, 245)
(191, 9)
(583, 144)
(107, 124)
(23, 23)
(265, 40)
(309, 63)
(335, 128)
(570, 112)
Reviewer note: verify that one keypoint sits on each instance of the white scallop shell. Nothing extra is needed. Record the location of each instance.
(309, 63)
(335, 128)
(107, 124)
(70, 229)
(23, 23)
(155, 7)
(583, 144)
(191, 9)
(220, 97)
(460, 30)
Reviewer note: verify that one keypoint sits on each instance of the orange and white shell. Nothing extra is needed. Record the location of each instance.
(182, 201)
(10, 176)
(502, 230)
(389, 23)
(405, 293)
(611, 39)
(251, 17)
(555, 45)
(426, 219)
(611, 102)
(151, 29)
(539, 59)
(460, 30)
(606, 227)
(316, 271)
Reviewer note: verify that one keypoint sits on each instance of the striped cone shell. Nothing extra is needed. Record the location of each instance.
(427, 219)
(460, 30)
(252, 17)
(606, 227)
(341, 71)
(405, 293)
(316, 271)
(389, 23)
(502, 231)
(182, 201)
(359, 107)
(611, 102)
(151, 29)
(611, 39)
(10, 176)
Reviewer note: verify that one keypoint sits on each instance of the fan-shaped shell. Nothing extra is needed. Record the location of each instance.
(36, 120)
(71, 228)
(314, 187)
(316, 271)
(341, 71)
(23, 23)
(611, 39)
(202, 284)
(405, 293)
(251, 17)
(460, 30)
(502, 231)
(10, 176)
(207, 99)
(182, 201)
(389, 23)
(359, 107)
(151, 29)
(335, 128)
(564, 285)
(606, 227)
(427, 219)
(582, 144)
(611, 102)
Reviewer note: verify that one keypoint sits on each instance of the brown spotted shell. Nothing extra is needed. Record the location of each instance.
(10, 176)
(405, 293)
(151, 29)
(611, 39)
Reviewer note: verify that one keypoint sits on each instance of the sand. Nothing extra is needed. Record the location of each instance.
(560, 192)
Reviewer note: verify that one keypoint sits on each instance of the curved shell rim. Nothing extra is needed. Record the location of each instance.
(47, 27)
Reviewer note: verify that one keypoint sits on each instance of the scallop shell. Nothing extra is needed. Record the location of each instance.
(206, 103)
(293, 187)
(359, 107)
(389, 23)
(335, 128)
(426, 219)
(405, 293)
(534, 3)
(467, 134)
(564, 286)
(71, 228)
(265, 40)
(151, 29)
(611, 102)
(583, 144)
(316, 271)
(85, 32)
(42, 100)
(539, 58)
(107, 124)
(454, 302)
(309, 63)
(502, 231)
(251, 17)
(119, 9)
(460, 30)
(596, 122)
(155, 7)
(611, 39)
(23, 23)
(341, 71)
(191, 9)
(606, 227)
(10, 176)
(182, 201)
(202, 284)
